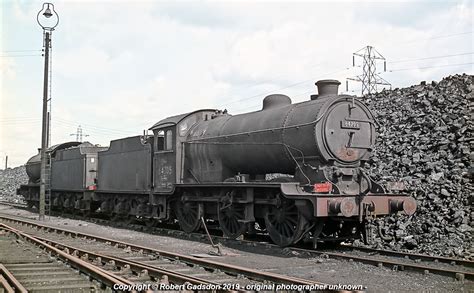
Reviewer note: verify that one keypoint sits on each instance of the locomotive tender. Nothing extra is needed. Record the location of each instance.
(292, 170)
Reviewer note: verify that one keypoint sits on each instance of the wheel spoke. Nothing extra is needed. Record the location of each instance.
(286, 231)
(229, 218)
(284, 223)
(293, 220)
(235, 226)
(290, 227)
(188, 215)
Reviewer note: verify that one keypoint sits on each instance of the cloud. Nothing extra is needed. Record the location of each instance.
(119, 67)
(197, 14)
(7, 68)
(83, 61)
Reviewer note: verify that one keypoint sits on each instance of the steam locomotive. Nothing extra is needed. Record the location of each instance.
(293, 171)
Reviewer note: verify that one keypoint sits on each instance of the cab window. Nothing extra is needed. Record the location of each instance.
(160, 142)
(169, 140)
(164, 140)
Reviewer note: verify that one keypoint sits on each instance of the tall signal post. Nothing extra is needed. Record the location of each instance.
(369, 77)
(48, 19)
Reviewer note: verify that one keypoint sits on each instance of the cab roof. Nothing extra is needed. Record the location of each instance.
(174, 120)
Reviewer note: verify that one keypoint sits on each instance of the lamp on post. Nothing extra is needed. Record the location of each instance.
(48, 19)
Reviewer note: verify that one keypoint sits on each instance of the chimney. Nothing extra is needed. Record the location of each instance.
(326, 87)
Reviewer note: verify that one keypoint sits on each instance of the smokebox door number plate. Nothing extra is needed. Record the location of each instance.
(350, 124)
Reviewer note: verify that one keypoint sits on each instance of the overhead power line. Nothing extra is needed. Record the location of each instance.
(66, 122)
(15, 51)
(18, 119)
(434, 66)
(273, 79)
(282, 88)
(8, 56)
(298, 94)
(433, 57)
(435, 37)
(91, 127)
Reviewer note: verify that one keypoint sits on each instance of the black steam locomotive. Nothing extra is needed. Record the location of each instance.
(292, 170)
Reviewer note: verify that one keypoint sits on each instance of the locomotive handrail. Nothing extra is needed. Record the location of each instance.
(269, 129)
(359, 120)
(361, 147)
(373, 121)
(260, 130)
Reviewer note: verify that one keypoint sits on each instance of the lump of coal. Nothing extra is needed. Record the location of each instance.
(426, 142)
(10, 180)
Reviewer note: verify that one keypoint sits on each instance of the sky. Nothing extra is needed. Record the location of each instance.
(118, 67)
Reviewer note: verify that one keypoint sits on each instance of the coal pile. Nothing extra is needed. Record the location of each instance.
(426, 142)
(10, 180)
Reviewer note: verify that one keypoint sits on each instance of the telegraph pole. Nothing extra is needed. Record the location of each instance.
(48, 28)
(369, 78)
(44, 128)
(6, 162)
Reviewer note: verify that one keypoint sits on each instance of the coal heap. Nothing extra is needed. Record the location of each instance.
(426, 142)
(10, 180)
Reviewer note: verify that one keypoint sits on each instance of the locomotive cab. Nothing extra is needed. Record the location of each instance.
(170, 135)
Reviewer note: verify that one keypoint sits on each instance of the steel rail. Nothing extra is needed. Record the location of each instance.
(457, 274)
(233, 269)
(173, 277)
(413, 256)
(6, 286)
(9, 282)
(407, 255)
(99, 274)
(15, 205)
(393, 264)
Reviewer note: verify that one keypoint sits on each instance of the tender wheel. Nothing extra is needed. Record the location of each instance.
(131, 220)
(189, 215)
(231, 216)
(150, 223)
(284, 222)
(30, 204)
(86, 213)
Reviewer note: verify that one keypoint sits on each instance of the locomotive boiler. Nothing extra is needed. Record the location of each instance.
(293, 171)
(317, 141)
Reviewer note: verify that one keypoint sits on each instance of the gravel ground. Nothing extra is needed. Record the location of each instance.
(318, 269)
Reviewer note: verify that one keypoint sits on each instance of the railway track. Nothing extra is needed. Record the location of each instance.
(31, 265)
(458, 269)
(15, 205)
(164, 270)
(413, 256)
